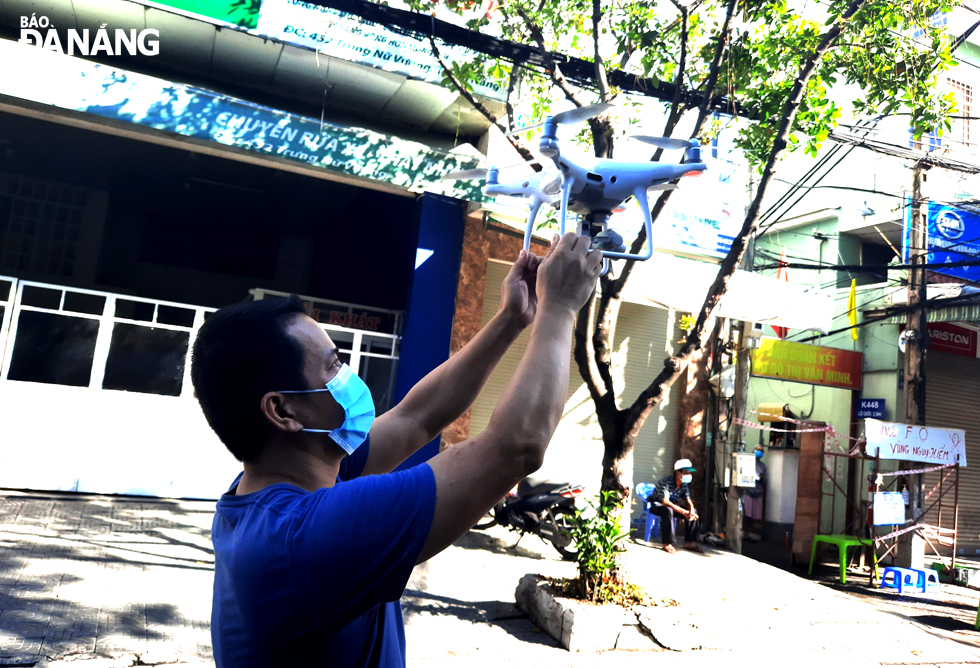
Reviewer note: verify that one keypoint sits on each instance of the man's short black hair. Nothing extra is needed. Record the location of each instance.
(241, 353)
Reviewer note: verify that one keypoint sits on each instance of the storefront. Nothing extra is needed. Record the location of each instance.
(132, 206)
(952, 388)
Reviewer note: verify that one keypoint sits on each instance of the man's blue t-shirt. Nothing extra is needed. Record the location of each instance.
(314, 578)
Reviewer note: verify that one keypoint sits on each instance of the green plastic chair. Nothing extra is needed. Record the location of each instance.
(842, 542)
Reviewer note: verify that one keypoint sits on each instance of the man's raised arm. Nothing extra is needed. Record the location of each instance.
(472, 476)
(448, 390)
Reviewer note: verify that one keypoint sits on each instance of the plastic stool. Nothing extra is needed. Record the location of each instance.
(929, 582)
(901, 578)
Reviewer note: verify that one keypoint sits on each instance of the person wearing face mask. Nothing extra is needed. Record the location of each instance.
(315, 540)
(672, 498)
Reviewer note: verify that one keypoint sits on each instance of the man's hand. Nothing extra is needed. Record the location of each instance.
(567, 274)
(518, 295)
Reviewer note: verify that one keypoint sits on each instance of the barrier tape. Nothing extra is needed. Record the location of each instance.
(881, 539)
(829, 428)
(937, 486)
(935, 468)
(756, 425)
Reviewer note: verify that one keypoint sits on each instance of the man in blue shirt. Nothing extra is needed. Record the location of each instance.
(315, 540)
(672, 498)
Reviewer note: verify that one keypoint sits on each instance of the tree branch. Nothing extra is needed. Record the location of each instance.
(674, 365)
(518, 146)
(703, 113)
(605, 334)
(675, 104)
(600, 69)
(584, 361)
(511, 84)
(715, 70)
(554, 72)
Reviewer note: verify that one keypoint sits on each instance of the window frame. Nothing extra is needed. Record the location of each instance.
(107, 321)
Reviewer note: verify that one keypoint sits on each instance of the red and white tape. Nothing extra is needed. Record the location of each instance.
(934, 468)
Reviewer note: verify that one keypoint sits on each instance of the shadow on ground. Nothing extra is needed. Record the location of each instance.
(504, 615)
(478, 540)
(60, 561)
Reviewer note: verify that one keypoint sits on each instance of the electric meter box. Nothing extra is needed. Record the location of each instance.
(744, 466)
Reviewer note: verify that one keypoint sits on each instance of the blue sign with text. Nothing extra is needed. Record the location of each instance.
(870, 408)
(954, 236)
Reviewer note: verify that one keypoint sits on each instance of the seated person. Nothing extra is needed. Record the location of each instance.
(673, 497)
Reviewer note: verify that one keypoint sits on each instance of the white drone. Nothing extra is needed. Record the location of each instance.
(595, 188)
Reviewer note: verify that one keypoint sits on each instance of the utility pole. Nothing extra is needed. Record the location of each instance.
(733, 518)
(916, 344)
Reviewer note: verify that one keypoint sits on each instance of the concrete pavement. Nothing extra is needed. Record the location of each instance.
(131, 578)
(103, 575)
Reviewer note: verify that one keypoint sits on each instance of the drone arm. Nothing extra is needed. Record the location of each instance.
(641, 198)
(640, 194)
(566, 193)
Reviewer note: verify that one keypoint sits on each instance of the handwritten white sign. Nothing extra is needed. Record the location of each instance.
(889, 508)
(934, 445)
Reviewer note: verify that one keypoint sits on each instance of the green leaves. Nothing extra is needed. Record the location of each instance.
(598, 537)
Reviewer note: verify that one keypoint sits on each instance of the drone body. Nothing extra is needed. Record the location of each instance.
(593, 188)
(597, 187)
(543, 187)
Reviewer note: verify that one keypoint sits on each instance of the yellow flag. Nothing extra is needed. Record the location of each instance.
(852, 313)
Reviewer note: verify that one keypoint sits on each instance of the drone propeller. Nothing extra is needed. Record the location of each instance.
(480, 174)
(663, 142)
(569, 117)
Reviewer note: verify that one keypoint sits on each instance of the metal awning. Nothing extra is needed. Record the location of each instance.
(195, 43)
(958, 313)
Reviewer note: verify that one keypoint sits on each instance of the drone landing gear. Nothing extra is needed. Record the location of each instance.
(596, 226)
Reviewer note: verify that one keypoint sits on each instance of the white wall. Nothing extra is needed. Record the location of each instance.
(783, 470)
(57, 437)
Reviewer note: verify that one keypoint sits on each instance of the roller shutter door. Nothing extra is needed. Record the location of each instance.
(575, 454)
(953, 401)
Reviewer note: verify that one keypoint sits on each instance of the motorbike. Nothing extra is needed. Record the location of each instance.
(541, 507)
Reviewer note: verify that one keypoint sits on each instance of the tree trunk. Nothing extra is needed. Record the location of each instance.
(692, 415)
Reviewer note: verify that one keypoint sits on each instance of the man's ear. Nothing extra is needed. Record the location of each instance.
(275, 408)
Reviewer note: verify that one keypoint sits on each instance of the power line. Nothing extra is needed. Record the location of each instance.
(925, 304)
(870, 268)
(576, 70)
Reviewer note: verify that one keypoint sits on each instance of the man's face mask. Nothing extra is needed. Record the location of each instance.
(354, 397)
(758, 454)
(687, 478)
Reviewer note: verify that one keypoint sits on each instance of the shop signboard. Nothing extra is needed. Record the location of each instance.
(915, 443)
(705, 214)
(241, 13)
(341, 35)
(952, 339)
(954, 236)
(803, 363)
(119, 95)
(350, 37)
